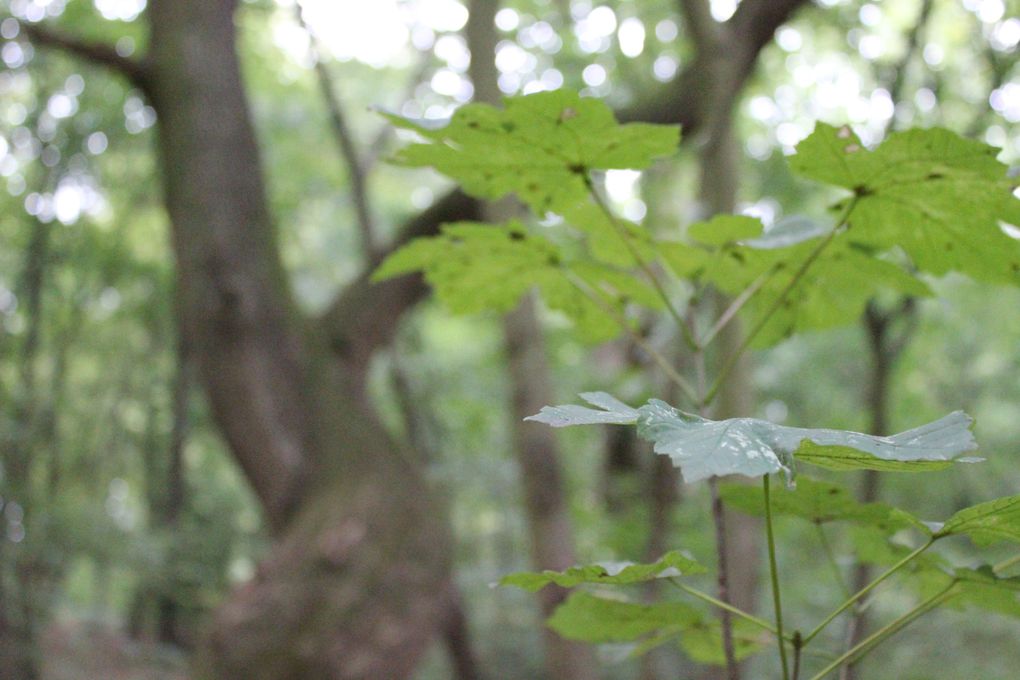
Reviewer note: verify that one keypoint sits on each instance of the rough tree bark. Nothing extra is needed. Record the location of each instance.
(356, 584)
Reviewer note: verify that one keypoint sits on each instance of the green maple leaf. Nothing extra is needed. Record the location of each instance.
(732, 252)
(982, 587)
(603, 238)
(588, 618)
(541, 147)
(819, 502)
(938, 196)
(704, 448)
(986, 523)
(475, 267)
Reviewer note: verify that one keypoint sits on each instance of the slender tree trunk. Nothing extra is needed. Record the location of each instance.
(885, 347)
(545, 502)
(21, 610)
(168, 624)
(545, 499)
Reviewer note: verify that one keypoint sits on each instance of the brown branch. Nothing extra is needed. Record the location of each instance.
(377, 147)
(704, 29)
(100, 54)
(356, 167)
(365, 315)
(749, 30)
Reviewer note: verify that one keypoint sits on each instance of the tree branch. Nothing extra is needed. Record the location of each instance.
(356, 167)
(364, 316)
(100, 54)
(750, 29)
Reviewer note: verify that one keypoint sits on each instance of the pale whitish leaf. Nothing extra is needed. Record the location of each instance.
(669, 565)
(704, 448)
(614, 412)
(938, 442)
(789, 231)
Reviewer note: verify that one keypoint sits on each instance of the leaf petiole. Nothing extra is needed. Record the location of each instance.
(867, 589)
(621, 231)
(736, 611)
(735, 306)
(731, 361)
(646, 346)
(888, 630)
(774, 574)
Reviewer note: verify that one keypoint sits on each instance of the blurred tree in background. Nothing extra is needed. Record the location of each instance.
(220, 442)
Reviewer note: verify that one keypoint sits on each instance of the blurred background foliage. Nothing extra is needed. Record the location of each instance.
(130, 506)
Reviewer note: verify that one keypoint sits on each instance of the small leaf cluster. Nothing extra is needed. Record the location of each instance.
(924, 201)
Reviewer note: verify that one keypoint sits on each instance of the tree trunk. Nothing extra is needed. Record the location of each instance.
(356, 583)
(22, 574)
(538, 457)
(545, 502)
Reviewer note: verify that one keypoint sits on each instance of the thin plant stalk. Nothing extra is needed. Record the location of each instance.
(849, 602)
(621, 231)
(737, 611)
(798, 647)
(735, 306)
(888, 631)
(722, 577)
(798, 276)
(646, 346)
(719, 525)
(1006, 564)
(774, 574)
(830, 557)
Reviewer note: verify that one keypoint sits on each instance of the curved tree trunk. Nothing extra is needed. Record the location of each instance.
(355, 585)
